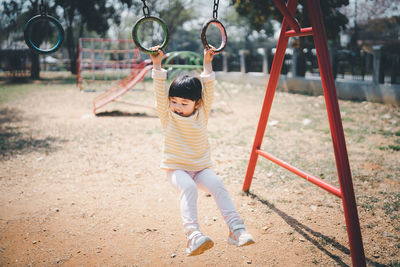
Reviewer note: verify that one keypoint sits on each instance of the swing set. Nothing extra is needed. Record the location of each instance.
(290, 28)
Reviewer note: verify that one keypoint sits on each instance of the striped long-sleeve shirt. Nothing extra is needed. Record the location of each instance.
(185, 138)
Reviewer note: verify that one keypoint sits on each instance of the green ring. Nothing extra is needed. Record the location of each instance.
(135, 33)
(28, 32)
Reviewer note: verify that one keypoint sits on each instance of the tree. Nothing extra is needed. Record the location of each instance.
(90, 15)
(374, 22)
(175, 13)
(11, 29)
(259, 12)
(78, 16)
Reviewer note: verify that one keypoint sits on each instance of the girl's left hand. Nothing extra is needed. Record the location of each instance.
(209, 54)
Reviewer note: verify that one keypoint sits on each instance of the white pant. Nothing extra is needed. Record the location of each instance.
(187, 182)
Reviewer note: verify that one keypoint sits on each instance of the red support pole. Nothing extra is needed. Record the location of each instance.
(269, 96)
(302, 32)
(346, 191)
(288, 15)
(339, 144)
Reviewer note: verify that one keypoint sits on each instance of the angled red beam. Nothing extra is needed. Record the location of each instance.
(311, 178)
(269, 97)
(285, 12)
(303, 32)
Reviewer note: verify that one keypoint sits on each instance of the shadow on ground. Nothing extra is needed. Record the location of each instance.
(14, 139)
(117, 113)
(311, 235)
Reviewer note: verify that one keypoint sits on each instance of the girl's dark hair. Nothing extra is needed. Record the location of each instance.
(187, 87)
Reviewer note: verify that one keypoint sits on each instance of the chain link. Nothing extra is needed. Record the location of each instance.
(146, 11)
(42, 8)
(215, 9)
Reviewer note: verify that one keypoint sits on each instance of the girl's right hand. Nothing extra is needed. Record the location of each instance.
(208, 57)
(157, 57)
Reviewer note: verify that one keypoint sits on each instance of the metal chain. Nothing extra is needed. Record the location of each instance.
(146, 11)
(42, 8)
(215, 9)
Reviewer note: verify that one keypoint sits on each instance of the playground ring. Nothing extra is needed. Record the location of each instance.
(28, 32)
(221, 29)
(193, 63)
(136, 28)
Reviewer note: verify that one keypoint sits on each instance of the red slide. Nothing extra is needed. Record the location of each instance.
(123, 86)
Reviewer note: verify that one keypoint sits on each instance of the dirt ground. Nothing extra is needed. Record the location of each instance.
(84, 190)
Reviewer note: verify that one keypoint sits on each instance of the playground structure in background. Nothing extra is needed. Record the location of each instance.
(111, 65)
(116, 67)
(178, 61)
(291, 28)
(174, 63)
(103, 62)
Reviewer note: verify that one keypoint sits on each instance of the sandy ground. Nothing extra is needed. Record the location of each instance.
(80, 190)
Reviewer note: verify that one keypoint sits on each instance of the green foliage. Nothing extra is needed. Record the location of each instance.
(10, 20)
(380, 29)
(260, 12)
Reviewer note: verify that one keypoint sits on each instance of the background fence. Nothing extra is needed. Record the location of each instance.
(379, 66)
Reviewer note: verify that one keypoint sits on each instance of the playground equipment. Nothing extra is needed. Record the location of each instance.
(291, 28)
(147, 18)
(191, 62)
(220, 26)
(103, 62)
(122, 87)
(43, 17)
(114, 65)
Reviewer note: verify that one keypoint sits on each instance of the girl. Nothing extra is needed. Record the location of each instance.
(184, 110)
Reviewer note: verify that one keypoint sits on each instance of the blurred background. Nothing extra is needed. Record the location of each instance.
(363, 35)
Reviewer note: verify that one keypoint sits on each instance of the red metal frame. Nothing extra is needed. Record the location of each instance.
(346, 191)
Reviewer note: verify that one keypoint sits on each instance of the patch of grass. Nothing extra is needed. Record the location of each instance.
(350, 131)
(373, 199)
(392, 204)
(387, 133)
(316, 262)
(285, 201)
(360, 139)
(14, 91)
(367, 206)
(323, 240)
(392, 147)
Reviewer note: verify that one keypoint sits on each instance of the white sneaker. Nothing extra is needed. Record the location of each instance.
(238, 235)
(198, 243)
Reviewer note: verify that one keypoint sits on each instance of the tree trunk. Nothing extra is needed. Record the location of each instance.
(71, 50)
(35, 67)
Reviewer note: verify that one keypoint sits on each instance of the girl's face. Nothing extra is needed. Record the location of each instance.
(182, 106)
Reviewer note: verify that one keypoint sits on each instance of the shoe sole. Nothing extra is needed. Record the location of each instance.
(203, 247)
(247, 243)
(233, 242)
